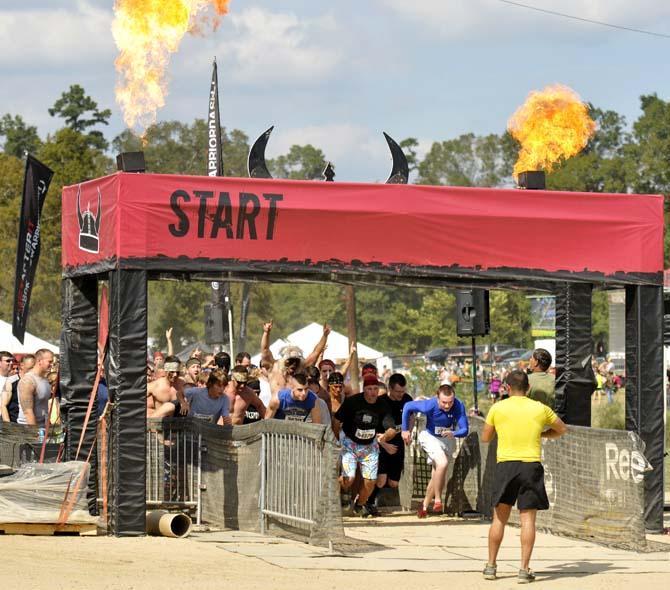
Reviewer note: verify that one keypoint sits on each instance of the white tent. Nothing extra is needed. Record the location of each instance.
(337, 347)
(30, 343)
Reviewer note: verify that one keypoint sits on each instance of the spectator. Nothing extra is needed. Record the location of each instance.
(542, 383)
(335, 392)
(35, 391)
(292, 360)
(323, 399)
(326, 368)
(6, 364)
(193, 367)
(609, 387)
(243, 359)
(314, 383)
(210, 403)
(252, 414)
(222, 361)
(10, 391)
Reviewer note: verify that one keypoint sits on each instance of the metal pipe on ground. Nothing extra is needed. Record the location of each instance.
(166, 524)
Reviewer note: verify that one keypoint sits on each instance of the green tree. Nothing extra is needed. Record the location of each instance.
(409, 147)
(73, 159)
(604, 165)
(11, 182)
(468, 160)
(510, 318)
(303, 162)
(651, 150)
(19, 137)
(81, 113)
(172, 147)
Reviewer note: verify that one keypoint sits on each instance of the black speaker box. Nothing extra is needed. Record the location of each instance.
(130, 162)
(472, 312)
(215, 326)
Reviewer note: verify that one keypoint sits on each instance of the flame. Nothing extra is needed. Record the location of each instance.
(552, 125)
(146, 32)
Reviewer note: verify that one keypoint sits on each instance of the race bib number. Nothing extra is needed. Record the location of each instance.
(441, 430)
(295, 414)
(295, 417)
(365, 434)
(204, 417)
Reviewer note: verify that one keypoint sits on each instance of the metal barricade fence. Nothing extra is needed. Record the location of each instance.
(173, 465)
(292, 478)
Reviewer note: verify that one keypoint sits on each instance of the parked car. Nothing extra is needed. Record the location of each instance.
(509, 354)
(523, 358)
(437, 355)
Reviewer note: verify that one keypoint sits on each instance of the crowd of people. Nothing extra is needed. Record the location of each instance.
(29, 390)
(373, 426)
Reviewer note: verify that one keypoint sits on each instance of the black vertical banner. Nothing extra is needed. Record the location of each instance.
(35, 185)
(215, 168)
(214, 145)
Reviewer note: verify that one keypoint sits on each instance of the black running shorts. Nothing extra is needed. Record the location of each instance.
(517, 481)
(392, 465)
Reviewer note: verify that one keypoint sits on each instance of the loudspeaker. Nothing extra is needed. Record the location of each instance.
(472, 312)
(130, 162)
(215, 332)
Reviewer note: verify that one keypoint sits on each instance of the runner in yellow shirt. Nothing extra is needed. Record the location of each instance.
(520, 423)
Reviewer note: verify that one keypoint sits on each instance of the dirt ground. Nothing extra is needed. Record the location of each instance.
(233, 560)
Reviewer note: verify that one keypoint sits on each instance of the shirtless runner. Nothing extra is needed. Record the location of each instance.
(165, 395)
(241, 396)
(291, 361)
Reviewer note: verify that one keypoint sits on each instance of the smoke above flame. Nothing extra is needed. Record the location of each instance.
(551, 126)
(146, 33)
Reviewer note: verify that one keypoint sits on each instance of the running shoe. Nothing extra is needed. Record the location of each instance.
(357, 509)
(490, 572)
(422, 512)
(372, 509)
(526, 577)
(368, 510)
(437, 507)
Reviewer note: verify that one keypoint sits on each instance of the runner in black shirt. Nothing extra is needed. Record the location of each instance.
(365, 420)
(391, 454)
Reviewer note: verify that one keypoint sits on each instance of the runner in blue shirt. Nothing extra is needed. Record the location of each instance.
(446, 420)
(297, 403)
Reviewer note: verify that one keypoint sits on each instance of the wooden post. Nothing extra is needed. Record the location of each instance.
(350, 302)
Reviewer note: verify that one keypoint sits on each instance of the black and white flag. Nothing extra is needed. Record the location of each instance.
(35, 185)
(214, 145)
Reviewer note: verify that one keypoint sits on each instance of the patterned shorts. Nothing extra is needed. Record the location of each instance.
(354, 454)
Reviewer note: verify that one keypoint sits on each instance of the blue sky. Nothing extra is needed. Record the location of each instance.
(338, 74)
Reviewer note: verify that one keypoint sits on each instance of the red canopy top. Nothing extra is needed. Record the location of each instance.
(191, 223)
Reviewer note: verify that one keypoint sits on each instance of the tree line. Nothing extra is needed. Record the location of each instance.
(619, 158)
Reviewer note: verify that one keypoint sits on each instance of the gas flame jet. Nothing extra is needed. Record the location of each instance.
(551, 126)
(146, 33)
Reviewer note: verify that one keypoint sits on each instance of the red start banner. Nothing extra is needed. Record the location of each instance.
(182, 222)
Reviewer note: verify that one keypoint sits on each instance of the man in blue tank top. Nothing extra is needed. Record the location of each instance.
(296, 403)
(446, 420)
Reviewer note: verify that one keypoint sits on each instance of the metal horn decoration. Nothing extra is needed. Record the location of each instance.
(98, 215)
(328, 173)
(256, 165)
(400, 171)
(80, 217)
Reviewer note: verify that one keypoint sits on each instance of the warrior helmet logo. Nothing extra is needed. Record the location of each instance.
(89, 225)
